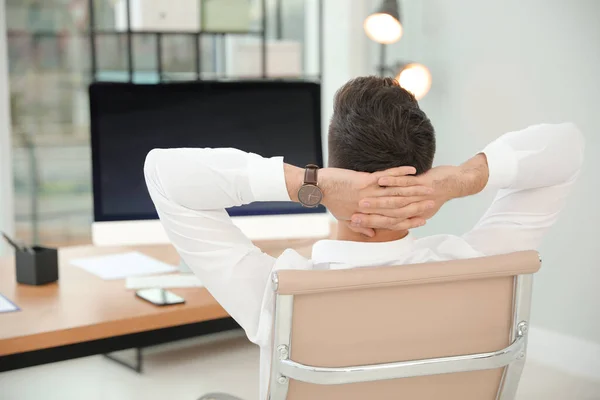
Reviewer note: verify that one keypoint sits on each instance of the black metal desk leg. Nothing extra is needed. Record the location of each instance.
(137, 367)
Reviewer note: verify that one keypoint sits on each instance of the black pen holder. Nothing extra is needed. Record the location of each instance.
(37, 266)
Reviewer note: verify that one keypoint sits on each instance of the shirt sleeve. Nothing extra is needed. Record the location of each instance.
(191, 189)
(533, 171)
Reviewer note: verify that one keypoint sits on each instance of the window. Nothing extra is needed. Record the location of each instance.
(49, 71)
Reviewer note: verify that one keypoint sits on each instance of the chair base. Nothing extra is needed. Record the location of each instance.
(219, 396)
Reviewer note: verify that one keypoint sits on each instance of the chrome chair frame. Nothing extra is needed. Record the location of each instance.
(512, 357)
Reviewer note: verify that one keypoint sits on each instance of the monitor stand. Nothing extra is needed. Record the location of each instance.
(258, 227)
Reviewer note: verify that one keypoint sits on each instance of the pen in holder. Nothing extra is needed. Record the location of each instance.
(35, 265)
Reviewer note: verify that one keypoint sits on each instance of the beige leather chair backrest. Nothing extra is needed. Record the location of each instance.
(452, 330)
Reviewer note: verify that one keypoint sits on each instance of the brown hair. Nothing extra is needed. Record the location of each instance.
(377, 125)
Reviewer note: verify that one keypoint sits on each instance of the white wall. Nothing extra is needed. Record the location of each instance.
(6, 177)
(345, 52)
(500, 66)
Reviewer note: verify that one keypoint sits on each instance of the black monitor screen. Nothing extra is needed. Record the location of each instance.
(128, 120)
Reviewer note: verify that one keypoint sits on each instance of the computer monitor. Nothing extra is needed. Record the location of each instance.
(270, 118)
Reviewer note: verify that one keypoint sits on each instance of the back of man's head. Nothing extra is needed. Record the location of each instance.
(377, 125)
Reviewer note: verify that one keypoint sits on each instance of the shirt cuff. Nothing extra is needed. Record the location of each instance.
(267, 179)
(502, 165)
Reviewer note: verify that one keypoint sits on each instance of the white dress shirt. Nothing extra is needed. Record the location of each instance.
(533, 171)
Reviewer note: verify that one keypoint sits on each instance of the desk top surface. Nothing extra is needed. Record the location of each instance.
(82, 307)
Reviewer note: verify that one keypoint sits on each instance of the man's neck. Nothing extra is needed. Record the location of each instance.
(381, 235)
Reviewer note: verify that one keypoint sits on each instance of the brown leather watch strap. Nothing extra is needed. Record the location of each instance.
(310, 174)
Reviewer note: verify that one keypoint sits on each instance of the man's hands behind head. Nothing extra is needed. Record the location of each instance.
(400, 205)
(393, 199)
(400, 199)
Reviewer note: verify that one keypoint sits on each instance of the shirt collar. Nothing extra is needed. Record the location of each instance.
(345, 254)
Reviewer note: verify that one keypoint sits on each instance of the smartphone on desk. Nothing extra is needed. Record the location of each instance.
(159, 297)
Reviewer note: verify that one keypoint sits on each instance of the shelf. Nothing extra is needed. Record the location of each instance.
(164, 33)
(152, 77)
(49, 34)
(218, 52)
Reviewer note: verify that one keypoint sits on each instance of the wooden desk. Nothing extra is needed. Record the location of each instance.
(82, 315)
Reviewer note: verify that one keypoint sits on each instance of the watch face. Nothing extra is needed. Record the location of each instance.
(310, 195)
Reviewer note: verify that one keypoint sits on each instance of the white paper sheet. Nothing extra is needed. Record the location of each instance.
(6, 305)
(171, 281)
(120, 266)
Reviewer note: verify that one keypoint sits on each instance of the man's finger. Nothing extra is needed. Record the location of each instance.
(375, 221)
(404, 191)
(411, 223)
(397, 171)
(410, 210)
(399, 181)
(415, 209)
(387, 205)
(363, 231)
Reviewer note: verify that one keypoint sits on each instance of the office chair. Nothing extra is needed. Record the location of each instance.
(453, 330)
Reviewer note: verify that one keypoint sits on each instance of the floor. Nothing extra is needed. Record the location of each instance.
(224, 362)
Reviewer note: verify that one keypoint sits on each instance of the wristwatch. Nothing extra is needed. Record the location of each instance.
(309, 194)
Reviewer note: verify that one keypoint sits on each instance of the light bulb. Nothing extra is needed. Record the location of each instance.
(383, 28)
(415, 78)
